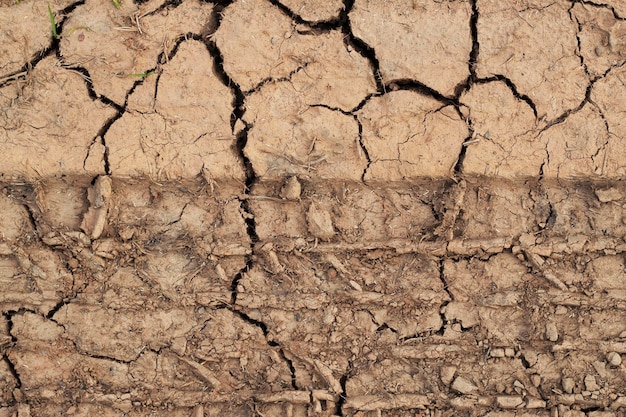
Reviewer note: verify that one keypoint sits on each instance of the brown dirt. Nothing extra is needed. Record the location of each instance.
(313, 208)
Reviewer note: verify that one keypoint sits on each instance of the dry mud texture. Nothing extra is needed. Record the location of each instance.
(313, 208)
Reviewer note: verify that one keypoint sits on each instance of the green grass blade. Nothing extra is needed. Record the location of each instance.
(141, 74)
(117, 4)
(53, 23)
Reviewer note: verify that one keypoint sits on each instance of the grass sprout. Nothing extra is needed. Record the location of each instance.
(142, 74)
(53, 23)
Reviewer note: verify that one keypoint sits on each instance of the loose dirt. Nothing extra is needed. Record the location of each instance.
(312, 208)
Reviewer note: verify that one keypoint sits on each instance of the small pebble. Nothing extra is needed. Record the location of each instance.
(610, 194)
(531, 357)
(291, 189)
(590, 383)
(485, 401)
(536, 380)
(447, 374)
(560, 310)
(535, 403)
(552, 334)
(355, 285)
(568, 385)
(320, 223)
(527, 239)
(464, 386)
(497, 353)
(614, 358)
(509, 401)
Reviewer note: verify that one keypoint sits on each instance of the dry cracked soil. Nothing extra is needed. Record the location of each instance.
(313, 208)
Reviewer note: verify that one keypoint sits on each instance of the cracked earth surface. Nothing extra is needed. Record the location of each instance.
(313, 208)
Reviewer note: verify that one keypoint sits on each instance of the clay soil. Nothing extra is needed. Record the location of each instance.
(313, 208)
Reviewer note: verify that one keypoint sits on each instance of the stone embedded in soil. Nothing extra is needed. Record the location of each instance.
(183, 134)
(288, 137)
(99, 196)
(552, 334)
(536, 380)
(535, 403)
(568, 385)
(464, 386)
(320, 223)
(291, 189)
(113, 43)
(591, 384)
(466, 315)
(534, 45)
(614, 358)
(509, 401)
(50, 123)
(259, 43)
(497, 353)
(504, 133)
(606, 195)
(315, 10)
(425, 41)
(447, 374)
(408, 135)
